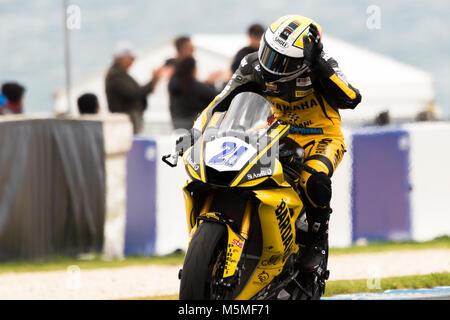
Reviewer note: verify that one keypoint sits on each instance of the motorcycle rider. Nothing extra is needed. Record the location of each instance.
(307, 89)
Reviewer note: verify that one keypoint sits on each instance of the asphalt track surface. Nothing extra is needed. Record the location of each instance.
(159, 280)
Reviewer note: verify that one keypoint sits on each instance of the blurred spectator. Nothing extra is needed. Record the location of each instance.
(188, 96)
(184, 47)
(426, 115)
(88, 104)
(123, 93)
(254, 32)
(382, 118)
(2, 100)
(14, 93)
(429, 114)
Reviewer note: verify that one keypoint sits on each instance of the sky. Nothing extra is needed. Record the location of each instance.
(31, 33)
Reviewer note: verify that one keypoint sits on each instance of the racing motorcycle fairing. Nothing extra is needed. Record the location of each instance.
(241, 144)
(239, 182)
(278, 211)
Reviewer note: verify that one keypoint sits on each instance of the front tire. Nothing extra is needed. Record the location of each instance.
(199, 262)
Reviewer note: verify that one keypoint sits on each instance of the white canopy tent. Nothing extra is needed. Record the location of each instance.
(385, 84)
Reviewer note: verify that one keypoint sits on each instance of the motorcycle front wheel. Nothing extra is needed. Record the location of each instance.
(202, 264)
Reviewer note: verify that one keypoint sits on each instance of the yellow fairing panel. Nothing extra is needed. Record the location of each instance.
(189, 204)
(276, 134)
(234, 251)
(278, 233)
(278, 175)
(253, 183)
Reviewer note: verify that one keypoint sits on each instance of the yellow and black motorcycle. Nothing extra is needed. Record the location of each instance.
(244, 209)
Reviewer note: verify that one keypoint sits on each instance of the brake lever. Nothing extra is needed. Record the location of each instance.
(174, 157)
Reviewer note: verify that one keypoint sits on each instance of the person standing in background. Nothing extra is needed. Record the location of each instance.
(184, 47)
(14, 93)
(123, 93)
(254, 32)
(187, 95)
(2, 101)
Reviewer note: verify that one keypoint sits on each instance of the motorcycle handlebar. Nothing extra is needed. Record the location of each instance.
(307, 168)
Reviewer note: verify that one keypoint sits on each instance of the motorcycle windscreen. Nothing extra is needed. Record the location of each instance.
(248, 112)
(247, 119)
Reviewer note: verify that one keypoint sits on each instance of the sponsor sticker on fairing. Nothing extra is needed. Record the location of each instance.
(262, 173)
(237, 243)
(303, 82)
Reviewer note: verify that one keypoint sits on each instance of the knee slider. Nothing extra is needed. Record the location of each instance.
(318, 188)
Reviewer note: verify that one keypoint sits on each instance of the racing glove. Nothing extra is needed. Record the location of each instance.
(339, 91)
(313, 53)
(312, 46)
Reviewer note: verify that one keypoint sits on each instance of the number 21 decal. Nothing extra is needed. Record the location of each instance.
(224, 156)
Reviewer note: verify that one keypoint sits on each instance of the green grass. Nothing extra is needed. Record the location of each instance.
(95, 262)
(406, 282)
(355, 286)
(373, 247)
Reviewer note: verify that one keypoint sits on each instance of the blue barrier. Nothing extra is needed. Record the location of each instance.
(140, 233)
(380, 186)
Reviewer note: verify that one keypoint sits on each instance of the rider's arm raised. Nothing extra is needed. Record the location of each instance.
(334, 85)
(337, 90)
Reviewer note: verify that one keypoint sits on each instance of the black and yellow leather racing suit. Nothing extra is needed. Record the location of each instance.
(309, 102)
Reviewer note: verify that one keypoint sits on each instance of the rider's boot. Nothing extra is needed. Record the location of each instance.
(317, 239)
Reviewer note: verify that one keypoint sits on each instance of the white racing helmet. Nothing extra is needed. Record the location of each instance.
(281, 50)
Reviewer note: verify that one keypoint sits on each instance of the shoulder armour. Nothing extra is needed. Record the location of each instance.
(247, 64)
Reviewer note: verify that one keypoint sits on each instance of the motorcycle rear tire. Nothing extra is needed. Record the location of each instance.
(199, 261)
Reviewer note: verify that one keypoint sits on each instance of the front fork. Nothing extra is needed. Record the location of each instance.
(235, 240)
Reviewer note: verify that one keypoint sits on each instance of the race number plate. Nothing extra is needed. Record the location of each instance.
(228, 154)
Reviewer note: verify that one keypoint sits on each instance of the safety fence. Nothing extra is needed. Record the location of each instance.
(76, 185)
(392, 184)
(62, 185)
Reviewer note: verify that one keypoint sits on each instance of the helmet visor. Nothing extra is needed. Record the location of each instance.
(277, 63)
